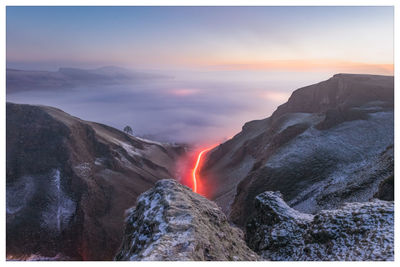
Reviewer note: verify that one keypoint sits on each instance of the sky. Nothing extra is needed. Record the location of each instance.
(227, 65)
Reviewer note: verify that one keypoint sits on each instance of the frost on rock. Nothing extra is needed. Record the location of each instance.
(37, 257)
(60, 208)
(19, 194)
(149, 141)
(127, 147)
(83, 170)
(356, 231)
(170, 222)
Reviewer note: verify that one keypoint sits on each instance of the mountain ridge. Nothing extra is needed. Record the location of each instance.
(343, 108)
(70, 78)
(69, 181)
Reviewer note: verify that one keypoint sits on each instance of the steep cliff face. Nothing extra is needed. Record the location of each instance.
(356, 231)
(343, 91)
(330, 143)
(170, 222)
(69, 181)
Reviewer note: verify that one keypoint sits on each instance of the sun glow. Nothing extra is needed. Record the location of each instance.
(302, 65)
(184, 92)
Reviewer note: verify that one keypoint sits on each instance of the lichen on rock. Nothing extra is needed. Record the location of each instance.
(170, 222)
(356, 231)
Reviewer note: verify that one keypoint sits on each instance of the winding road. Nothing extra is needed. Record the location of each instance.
(196, 167)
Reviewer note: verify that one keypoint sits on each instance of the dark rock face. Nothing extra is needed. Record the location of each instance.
(386, 189)
(342, 91)
(69, 181)
(329, 144)
(170, 222)
(356, 231)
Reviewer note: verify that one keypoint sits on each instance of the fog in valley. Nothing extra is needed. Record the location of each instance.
(201, 107)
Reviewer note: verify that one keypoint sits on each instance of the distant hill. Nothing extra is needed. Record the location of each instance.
(25, 80)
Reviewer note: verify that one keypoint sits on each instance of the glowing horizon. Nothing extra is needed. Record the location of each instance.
(341, 39)
(312, 65)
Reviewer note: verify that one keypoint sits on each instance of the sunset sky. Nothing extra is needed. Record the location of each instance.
(211, 38)
(228, 65)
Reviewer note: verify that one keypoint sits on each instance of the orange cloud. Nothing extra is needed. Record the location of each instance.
(275, 96)
(183, 92)
(310, 65)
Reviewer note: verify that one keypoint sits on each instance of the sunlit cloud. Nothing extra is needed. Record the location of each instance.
(275, 96)
(184, 92)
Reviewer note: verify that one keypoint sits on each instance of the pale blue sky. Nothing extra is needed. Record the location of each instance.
(196, 37)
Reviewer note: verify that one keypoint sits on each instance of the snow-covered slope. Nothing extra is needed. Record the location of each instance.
(170, 222)
(356, 231)
(69, 181)
(329, 144)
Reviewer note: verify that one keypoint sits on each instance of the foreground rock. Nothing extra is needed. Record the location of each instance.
(356, 231)
(69, 181)
(170, 222)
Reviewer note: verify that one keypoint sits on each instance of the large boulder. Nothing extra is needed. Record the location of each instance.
(356, 231)
(170, 222)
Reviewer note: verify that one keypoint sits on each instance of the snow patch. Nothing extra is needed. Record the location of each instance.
(127, 147)
(61, 207)
(343, 142)
(99, 161)
(149, 141)
(83, 170)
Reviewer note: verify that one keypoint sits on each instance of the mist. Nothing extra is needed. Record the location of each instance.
(196, 107)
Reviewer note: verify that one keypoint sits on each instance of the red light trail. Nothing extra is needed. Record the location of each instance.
(197, 166)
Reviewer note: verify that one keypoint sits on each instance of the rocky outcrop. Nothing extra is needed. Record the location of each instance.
(170, 222)
(386, 189)
(356, 231)
(331, 143)
(68, 182)
(342, 91)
